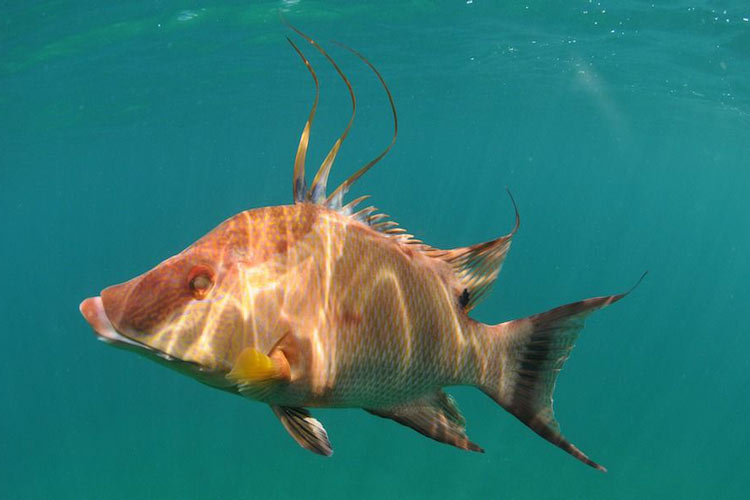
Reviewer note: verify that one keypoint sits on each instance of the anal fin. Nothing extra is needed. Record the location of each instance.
(435, 416)
(306, 430)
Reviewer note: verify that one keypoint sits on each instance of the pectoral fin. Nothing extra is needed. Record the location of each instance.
(307, 431)
(256, 374)
(435, 416)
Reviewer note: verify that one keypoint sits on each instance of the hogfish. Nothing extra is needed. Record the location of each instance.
(319, 304)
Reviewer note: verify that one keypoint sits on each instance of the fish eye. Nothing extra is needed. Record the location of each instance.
(200, 281)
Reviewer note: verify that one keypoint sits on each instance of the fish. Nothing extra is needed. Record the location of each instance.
(322, 304)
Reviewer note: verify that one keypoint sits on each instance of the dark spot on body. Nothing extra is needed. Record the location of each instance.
(463, 300)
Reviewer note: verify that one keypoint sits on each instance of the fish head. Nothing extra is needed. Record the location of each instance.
(188, 309)
(227, 291)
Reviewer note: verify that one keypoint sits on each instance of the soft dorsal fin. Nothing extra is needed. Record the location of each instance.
(477, 266)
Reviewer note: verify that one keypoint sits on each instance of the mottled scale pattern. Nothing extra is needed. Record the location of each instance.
(403, 344)
(377, 321)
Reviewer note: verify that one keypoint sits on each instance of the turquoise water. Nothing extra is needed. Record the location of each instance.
(622, 128)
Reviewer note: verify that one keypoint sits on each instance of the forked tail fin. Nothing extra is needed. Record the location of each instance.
(525, 356)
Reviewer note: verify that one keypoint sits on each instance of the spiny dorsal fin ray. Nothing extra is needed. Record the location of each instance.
(348, 209)
(317, 190)
(477, 266)
(317, 193)
(335, 200)
(379, 222)
(298, 179)
(364, 214)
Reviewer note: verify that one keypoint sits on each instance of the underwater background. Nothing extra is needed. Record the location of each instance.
(131, 129)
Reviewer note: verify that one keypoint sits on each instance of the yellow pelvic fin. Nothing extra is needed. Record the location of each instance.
(255, 368)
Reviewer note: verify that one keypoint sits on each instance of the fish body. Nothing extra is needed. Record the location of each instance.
(373, 321)
(316, 305)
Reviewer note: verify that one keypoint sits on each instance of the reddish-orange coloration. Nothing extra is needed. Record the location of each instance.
(316, 305)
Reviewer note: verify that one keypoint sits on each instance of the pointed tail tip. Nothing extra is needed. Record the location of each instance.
(570, 448)
(636, 283)
(614, 298)
(584, 458)
(515, 209)
(474, 447)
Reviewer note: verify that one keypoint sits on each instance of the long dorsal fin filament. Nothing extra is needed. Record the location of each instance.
(317, 191)
(335, 200)
(298, 179)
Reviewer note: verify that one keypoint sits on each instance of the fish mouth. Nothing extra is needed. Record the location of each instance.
(93, 311)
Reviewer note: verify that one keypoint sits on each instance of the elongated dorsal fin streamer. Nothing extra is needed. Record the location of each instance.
(477, 266)
(298, 180)
(336, 198)
(317, 192)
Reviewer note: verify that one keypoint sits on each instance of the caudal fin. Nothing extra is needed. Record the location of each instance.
(525, 356)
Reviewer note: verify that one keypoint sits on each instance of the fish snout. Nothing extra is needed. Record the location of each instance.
(92, 310)
(107, 313)
(143, 305)
(119, 304)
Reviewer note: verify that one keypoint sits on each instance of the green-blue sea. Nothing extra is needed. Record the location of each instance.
(622, 128)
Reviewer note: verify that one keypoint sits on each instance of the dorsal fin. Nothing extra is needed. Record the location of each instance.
(298, 179)
(335, 200)
(477, 266)
(317, 192)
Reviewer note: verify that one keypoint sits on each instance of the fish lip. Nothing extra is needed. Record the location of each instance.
(93, 311)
